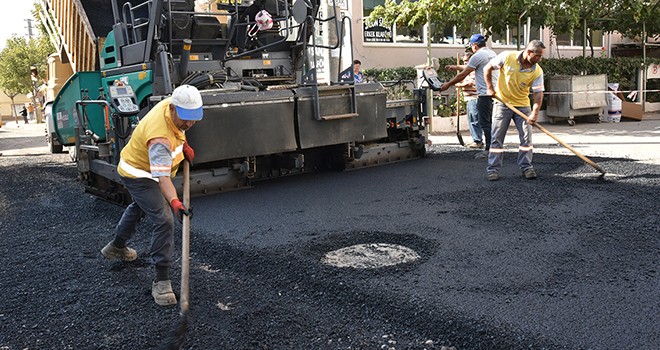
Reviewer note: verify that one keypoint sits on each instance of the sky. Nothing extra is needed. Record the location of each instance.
(13, 19)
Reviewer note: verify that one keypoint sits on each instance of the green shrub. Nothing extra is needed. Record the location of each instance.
(390, 74)
(399, 82)
(618, 70)
(622, 70)
(406, 73)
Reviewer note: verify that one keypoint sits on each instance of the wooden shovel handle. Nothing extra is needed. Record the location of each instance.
(185, 240)
(540, 127)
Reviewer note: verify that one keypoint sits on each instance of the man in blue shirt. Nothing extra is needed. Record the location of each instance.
(478, 61)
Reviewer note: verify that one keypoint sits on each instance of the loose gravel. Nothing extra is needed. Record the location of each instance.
(561, 262)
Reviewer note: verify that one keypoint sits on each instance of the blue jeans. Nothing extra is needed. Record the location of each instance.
(473, 121)
(149, 200)
(485, 111)
(502, 116)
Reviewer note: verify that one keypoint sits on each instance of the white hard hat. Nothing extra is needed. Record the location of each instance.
(188, 102)
(264, 20)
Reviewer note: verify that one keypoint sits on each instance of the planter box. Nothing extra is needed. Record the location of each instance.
(448, 124)
(652, 106)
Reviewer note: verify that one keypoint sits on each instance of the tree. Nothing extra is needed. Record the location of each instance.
(16, 59)
(418, 13)
(11, 95)
(495, 16)
(630, 16)
(569, 16)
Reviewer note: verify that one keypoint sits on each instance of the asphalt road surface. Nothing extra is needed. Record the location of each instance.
(566, 261)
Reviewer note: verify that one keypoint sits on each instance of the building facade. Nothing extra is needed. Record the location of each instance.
(380, 46)
(6, 107)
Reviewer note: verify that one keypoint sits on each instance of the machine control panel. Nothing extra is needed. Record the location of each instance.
(123, 99)
(431, 77)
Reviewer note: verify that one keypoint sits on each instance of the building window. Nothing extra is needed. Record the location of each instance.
(442, 34)
(597, 38)
(511, 37)
(563, 39)
(447, 34)
(409, 35)
(499, 38)
(577, 39)
(534, 33)
(391, 34)
(463, 36)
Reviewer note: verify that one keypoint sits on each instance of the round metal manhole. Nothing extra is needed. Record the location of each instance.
(370, 256)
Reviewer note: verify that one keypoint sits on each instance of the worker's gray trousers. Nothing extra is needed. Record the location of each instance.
(148, 199)
(502, 116)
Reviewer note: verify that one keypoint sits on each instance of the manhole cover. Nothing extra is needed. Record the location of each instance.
(370, 256)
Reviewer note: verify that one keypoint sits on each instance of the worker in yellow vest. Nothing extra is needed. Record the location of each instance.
(148, 163)
(520, 73)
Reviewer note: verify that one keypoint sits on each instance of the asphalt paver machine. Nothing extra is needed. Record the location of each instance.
(267, 113)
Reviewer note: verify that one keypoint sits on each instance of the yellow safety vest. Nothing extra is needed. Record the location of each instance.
(513, 84)
(157, 123)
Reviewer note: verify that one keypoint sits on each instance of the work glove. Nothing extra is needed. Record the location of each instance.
(188, 153)
(180, 210)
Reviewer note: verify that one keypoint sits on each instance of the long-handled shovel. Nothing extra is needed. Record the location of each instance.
(458, 110)
(177, 336)
(540, 127)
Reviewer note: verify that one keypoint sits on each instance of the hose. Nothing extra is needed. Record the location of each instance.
(203, 80)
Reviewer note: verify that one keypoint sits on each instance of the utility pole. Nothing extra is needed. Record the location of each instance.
(36, 101)
(29, 28)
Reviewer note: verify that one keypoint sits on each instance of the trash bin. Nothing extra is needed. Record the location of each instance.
(575, 95)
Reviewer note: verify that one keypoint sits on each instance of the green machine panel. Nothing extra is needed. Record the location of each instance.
(141, 81)
(65, 115)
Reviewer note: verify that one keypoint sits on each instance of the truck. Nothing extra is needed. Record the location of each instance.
(272, 105)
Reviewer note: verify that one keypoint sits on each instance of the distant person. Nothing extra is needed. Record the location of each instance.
(482, 55)
(357, 73)
(24, 113)
(470, 96)
(148, 163)
(519, 72)
(30, 110)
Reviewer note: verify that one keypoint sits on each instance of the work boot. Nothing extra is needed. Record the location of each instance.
(162, 293)
(112, 252)
(493, 176)
(530, 174)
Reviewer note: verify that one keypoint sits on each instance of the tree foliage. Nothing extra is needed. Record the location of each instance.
(628, 17)
(414, 13)
(16, 59)
(624, 16)
(565, 16)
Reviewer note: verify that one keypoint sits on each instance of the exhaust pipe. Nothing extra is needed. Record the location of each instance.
(185, 58)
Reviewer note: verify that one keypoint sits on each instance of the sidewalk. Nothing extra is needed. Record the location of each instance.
(632, 139)
(20, 139)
